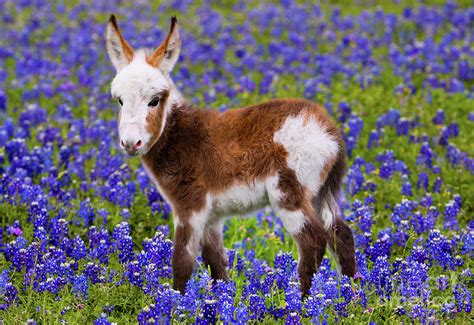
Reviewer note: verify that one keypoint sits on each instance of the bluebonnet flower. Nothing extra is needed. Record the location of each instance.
(322, 294)
(59, 231)
(451, 130)
(157, 253)
(437, 185)
(124, 242)
(355, 180)
(443, 282)
(403, 126)
(209, 312)
(383, 245)
(8, 291)
(417, 254)
(285, 262)
(100, 245)
(293, 296)
(225, 294)
(86, 212)
(79, 250)
(380, 277)
(374, 139)
(240, 263)
(386, 170)
(80, 286)
(400, 310)
(407, 189)
(166, 300)
(346, 293)
(52, 284)
(463, 298)
(425, 156)
(125, 213)
(402, 211)
(468, 241)
(257, 307)
(3, 100)
(241, 314)
(412, 279)
(423, 181)
(421, 224)
(453, 154)
(419, 312)
(439, 118)
(450, 214)
(362, 269)
(95, 273)
(133, 273)
(470, 116)
(440, 250)
(345, 111)
(103, 214)
(102, 320)
(354, 125)
(38, 214)
(448, 309)
(362, 215)
(108, 308)
(293, 319)
(388, 119)
(426, 200)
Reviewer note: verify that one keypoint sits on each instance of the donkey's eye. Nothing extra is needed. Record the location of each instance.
(154, 102)
(120, 102)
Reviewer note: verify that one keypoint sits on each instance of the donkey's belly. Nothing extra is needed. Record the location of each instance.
(240, 199)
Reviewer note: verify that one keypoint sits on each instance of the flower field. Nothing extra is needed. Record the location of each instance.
(86, 237)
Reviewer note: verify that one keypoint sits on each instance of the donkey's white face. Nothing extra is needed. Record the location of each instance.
(143, 87)
(140, 88)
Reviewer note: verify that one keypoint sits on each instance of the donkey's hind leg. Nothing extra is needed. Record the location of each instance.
(292, 205)
(341, 244)
(311, 242)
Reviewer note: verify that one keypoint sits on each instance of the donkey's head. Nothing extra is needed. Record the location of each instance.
(143, 87)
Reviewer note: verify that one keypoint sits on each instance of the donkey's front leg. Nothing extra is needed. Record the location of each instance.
(213, 251)
(186, 246)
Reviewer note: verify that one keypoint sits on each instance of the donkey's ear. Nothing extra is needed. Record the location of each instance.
(120, 52)
(166, 55)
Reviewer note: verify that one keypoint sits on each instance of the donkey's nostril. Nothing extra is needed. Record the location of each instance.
(138, 144)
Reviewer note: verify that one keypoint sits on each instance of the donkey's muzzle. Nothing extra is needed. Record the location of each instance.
(131, 147)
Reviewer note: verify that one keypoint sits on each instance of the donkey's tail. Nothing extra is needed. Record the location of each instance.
(326, 201)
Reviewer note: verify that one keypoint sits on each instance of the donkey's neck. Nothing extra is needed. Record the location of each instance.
(174, 112)
(176, 131)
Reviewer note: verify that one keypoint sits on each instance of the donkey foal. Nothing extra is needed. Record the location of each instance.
(285, 153)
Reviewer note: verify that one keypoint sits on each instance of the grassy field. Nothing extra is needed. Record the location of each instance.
(85, 236)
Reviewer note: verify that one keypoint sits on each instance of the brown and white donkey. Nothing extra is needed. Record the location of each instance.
(285, 153)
